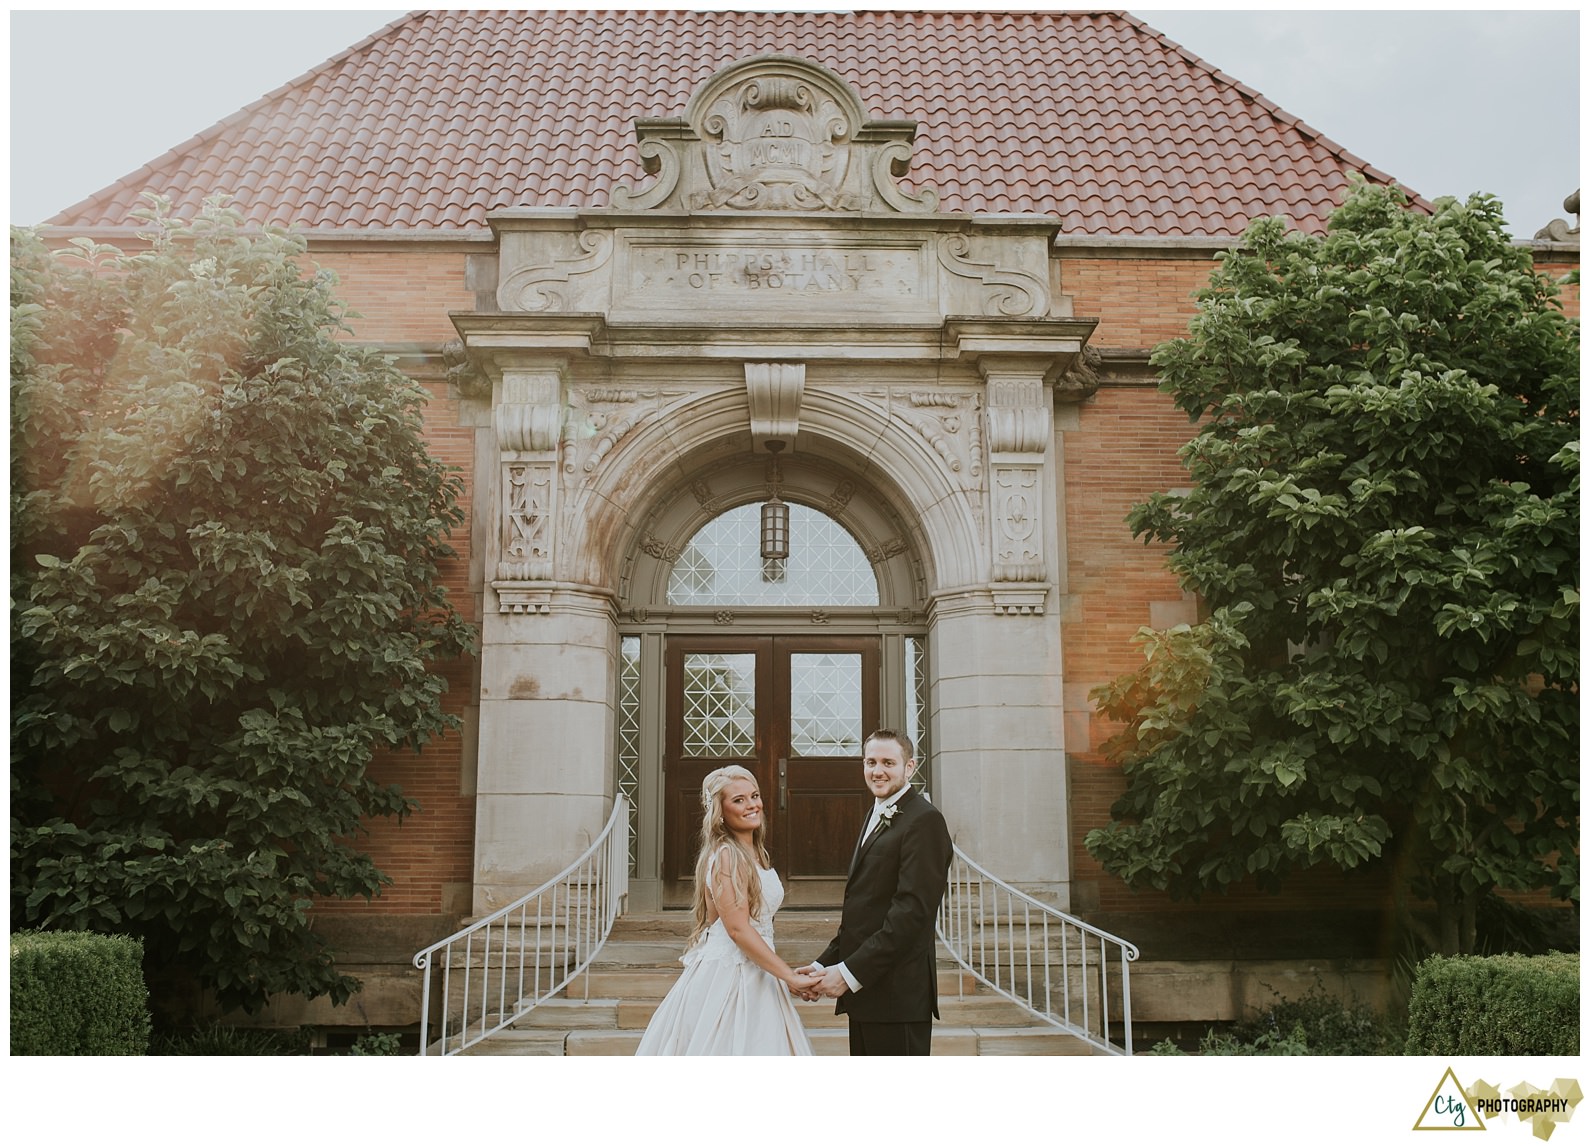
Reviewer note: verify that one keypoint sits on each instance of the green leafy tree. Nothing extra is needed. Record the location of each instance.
(226, 533)
(1384, 528)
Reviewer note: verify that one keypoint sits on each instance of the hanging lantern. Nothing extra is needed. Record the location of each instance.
(775, 529)
(775, 517)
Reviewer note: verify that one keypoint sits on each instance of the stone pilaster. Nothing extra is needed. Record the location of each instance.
(528, 420)
(1019, 433)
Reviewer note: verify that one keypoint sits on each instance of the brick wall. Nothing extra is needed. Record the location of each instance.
(403, 298)
(1138, 302)
(1555, 268)
(402, 295)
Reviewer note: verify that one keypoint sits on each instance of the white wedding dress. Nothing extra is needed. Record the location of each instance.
(724, 1004)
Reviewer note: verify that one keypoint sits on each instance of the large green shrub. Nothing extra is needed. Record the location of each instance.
(227, 545)
(1382, 518)
(1495, 1005)
(74, 992)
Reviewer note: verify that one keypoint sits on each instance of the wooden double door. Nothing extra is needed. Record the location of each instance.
(791, 709)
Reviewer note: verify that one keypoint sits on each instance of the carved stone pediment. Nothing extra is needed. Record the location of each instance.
(775, 133)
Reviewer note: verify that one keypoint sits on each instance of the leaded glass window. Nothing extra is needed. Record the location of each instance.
(629, 734)
(825, 704)
(720, 705)
(723, 565)
(916, 705)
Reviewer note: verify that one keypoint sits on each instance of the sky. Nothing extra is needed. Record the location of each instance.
(1448, 102)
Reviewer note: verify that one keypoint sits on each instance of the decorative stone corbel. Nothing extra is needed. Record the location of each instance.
(775, 391)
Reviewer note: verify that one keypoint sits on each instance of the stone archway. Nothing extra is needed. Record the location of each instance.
(645, 349)
(883, 636)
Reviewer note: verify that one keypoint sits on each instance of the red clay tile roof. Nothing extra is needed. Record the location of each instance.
(440, 117)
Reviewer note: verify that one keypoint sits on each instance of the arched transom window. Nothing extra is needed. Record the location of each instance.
(723, 564)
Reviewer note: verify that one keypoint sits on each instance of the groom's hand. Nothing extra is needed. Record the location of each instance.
(832, 984)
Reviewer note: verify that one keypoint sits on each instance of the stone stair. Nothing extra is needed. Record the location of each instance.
(606, 1008)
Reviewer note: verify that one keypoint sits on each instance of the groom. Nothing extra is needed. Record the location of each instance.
(881, 965)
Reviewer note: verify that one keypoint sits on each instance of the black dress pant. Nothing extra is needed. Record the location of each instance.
(890, 1038)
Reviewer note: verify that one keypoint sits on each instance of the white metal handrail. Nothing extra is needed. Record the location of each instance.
(1050, 963)
(505, 963)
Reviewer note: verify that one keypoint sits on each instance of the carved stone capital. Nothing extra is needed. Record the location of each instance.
(529, 416)
(1019, 417)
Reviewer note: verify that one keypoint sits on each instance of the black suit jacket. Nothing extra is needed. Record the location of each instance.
(886, 927)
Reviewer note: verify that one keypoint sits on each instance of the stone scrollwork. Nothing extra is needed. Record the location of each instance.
(543, 287)
(615, 432)
(1558, 230)
(1007, 292)
(840, 498)
(937, 433)
(889, 163)
(529, 422)
(657, 157)
(523, 427)
(878, 554)
(661, 550)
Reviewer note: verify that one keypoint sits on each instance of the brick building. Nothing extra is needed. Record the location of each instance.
(901, 270)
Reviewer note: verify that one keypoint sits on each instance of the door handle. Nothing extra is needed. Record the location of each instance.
(783, 784)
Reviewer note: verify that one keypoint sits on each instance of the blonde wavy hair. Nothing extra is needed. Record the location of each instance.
(746, 879)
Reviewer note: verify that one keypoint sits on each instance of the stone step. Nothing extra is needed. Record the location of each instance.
(835, 1042)
(971, 1011)
(516, 1042)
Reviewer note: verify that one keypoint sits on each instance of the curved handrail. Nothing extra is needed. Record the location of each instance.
(572, 917)
(1023, 949)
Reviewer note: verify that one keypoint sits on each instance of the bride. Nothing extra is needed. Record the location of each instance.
(731, 998)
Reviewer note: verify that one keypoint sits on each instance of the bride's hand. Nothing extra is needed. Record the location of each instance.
(803, 985)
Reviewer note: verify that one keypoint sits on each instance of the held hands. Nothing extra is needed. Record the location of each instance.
(826, 984)
(804, 984)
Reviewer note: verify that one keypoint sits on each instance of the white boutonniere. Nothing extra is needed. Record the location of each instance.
(886, 816)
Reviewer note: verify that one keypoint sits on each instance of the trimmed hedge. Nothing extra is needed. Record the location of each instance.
(1495, 1005)
(78, 993)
